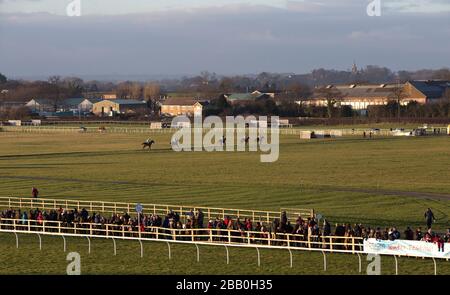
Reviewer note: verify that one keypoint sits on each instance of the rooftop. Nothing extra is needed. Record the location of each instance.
(126, 101)
(183, 101)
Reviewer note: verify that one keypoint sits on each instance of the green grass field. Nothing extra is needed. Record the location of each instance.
(380, 182)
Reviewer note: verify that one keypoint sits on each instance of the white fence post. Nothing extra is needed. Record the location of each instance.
(17, 240)
(259, 257)
(396, 265)
(290, 257)
(64, 239)
(89, 244)
(360, 263)
(40, 241)
(324, 261)
(198, 253)
(142, 248)
(435, 267)
(115, 249)
(228, 255)
(170, 254)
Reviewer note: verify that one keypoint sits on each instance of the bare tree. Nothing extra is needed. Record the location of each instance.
(136, 90)
(152, 90)
(74, 86)
(55, 83)
(297, 91)
(332, 96)
(398, 94)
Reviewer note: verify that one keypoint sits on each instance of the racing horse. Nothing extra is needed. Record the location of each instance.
(148, 143)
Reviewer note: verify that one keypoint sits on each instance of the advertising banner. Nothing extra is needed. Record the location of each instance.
(407, 248)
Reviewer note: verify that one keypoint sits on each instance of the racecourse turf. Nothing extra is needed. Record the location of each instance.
(378, 182)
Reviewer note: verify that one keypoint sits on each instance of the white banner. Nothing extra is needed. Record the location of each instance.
(407, 248)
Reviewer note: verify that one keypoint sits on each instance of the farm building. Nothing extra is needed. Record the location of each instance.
(40, 105)
(87, 105)
(235, 98)
(426, 91)
(118, 106)
(175, 106)
(361, 96)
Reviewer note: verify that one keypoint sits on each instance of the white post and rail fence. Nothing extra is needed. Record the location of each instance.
(207, 236)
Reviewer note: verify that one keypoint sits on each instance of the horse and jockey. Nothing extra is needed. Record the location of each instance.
(148, 143)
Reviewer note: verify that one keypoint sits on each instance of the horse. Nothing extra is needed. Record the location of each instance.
(82, 129)
(148, 144)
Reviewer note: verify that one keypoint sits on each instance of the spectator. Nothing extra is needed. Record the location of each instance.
(394, 234)
(419, 234)
(429, 217)
(326, 228)
(409, 234)
(428, 236)
(199, 218)
(24, 217)
(439, 241)
(447, 236)
(34, 192)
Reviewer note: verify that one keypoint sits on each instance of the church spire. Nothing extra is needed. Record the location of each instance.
(354, 68)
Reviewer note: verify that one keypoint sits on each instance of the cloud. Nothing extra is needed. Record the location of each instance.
(233, 39)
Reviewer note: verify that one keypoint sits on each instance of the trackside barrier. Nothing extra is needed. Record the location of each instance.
(147, 130)
(120, 207)
(210, 237)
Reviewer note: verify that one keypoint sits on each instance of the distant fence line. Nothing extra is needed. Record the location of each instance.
(148, 130)
(160, 209)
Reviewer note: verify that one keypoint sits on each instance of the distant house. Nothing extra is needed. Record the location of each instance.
(87, 105)
(235, 98)
(40, 105)
(426, 91)
(74, 105)
(102, 95)
(109, 96)
(109, 107)
(70, 104)
(175, 106)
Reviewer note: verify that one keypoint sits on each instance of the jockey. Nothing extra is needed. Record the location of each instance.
(148, 140)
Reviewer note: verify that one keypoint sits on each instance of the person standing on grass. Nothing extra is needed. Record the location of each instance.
(34, 192)
(429, 217)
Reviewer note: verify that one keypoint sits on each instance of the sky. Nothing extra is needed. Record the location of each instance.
(185, 37)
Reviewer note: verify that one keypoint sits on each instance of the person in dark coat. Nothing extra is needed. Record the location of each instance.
(34, 192)
(429, 217)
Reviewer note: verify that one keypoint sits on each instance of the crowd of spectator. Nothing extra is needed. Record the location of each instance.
(302, 229)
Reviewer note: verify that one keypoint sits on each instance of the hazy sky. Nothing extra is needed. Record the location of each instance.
(225, 36)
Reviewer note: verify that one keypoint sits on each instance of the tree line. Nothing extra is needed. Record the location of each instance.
(289, 88)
